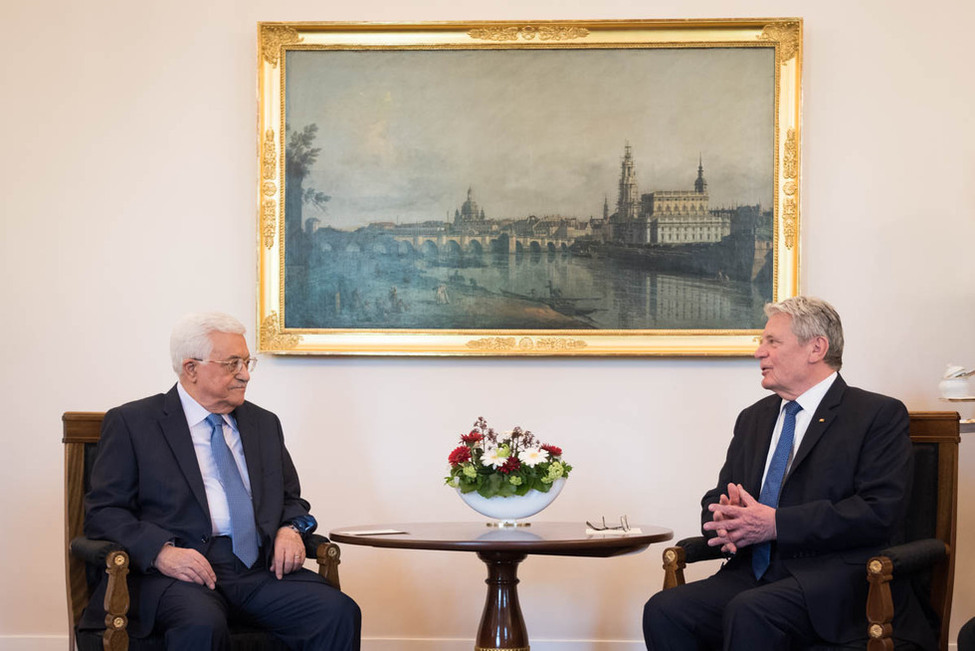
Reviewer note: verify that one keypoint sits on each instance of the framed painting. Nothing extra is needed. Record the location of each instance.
(510, 189)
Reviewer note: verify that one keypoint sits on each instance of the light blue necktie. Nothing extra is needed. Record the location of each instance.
(762, 552)
(242, 527)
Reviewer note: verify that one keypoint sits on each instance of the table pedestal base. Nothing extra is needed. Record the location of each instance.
(502, 625)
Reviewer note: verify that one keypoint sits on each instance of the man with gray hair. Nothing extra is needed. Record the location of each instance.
(199, 488)
(815, 482)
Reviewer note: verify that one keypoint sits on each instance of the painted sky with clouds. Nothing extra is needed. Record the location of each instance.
(403, 134)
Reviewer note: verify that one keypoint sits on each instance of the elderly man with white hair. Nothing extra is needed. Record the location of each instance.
(815, 482)
(198, 486)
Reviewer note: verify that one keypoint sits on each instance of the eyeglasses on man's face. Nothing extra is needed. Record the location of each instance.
(234, 365)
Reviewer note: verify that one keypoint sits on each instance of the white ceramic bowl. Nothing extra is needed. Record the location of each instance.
(516, 507)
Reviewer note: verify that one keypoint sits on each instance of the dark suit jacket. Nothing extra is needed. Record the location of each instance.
(843, 501)
(147, 489)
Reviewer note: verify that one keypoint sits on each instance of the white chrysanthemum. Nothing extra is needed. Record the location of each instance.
(492, 457)
(531, 457)
(504, 437)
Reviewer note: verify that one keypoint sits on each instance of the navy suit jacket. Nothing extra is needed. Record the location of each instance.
(147, 490)
(843, 500)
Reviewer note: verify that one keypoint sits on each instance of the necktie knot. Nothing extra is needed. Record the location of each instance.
(216, 422)
(792, 408)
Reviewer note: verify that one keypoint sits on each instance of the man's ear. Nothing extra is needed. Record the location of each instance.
(820, 346)
(189, 369)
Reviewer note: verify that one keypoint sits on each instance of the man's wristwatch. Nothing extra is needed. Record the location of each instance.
(304, 524)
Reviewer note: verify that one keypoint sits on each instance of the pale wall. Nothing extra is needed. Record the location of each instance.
(128, 194)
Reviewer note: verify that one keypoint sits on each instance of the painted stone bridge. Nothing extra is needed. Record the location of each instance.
(443, 243)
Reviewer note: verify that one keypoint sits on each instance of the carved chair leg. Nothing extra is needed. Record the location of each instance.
(328, 556)
(675, 560)
(880, 604)
(116, 637)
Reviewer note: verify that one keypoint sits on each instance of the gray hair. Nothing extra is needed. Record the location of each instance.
(813, 317)
(191, 335)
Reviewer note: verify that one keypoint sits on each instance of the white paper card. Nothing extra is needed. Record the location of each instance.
(373, 532)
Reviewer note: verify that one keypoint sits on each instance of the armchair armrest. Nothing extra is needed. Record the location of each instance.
(93, 551)
(115, 560)
(903, 560)
(697, 549)
(916, 555)
(688, 550)
(328, 556)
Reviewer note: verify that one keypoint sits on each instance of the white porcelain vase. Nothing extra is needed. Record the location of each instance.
(516, 507)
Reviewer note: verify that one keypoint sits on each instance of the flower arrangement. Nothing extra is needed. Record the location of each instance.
(504, 463)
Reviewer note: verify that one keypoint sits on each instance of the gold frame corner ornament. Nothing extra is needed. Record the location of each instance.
(780, 38)
(788, 34)
(272, 339)
(274, 37)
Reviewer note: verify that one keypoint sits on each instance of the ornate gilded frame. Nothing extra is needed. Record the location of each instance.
(275, 40)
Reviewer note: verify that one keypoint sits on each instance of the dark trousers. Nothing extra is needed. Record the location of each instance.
(301, 609)
(966, 636)
(730, 611)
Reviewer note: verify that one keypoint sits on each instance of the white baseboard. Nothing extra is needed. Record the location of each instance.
(60, 643)
(441, 644)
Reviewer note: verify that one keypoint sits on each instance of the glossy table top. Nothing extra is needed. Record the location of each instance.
(547, 538)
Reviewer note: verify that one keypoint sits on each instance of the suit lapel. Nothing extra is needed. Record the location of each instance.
(821, 420)
(250, 439)
(177, 434)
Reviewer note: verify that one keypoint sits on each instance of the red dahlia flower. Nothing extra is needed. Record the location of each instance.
(511, 465)
(553, 450)
(460, 455)
(473, 437)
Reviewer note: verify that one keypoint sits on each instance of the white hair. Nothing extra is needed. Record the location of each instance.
(191, 335)
(813, 317)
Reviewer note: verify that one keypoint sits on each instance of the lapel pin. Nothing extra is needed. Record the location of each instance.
(822, 420)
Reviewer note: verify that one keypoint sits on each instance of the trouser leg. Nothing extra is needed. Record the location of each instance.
(305, 613)
(772, 616)
(966, 636)
(192, 617)
(689, 617)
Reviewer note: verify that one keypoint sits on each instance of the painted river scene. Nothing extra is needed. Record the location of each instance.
(520, 190)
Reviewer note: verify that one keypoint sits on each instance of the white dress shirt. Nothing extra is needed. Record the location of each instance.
(200, 431)
(809, 401)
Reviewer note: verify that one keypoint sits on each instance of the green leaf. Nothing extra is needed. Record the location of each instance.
(506, 490)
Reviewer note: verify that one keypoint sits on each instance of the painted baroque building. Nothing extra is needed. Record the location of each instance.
(469, 215)
(665, 216)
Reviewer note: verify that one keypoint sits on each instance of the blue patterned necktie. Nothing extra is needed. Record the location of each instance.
(242, 527)
(762, 552)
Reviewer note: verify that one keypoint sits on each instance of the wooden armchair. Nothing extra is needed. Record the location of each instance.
(927, 558)
(87, 560)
